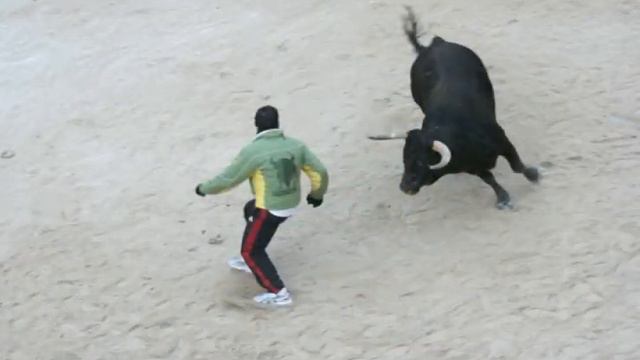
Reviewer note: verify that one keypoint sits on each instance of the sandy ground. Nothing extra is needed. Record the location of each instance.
(114, 110)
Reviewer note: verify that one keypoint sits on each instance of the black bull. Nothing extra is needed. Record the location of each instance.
(459, 132)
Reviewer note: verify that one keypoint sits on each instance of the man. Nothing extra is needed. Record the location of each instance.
(272, 162)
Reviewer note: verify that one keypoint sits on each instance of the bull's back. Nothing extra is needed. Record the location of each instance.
(449, 75)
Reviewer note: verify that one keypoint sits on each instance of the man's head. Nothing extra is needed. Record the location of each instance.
(266, 118)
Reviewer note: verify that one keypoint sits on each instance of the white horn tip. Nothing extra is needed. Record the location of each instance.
(444, 152)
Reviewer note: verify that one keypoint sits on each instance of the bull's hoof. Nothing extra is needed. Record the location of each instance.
(532, 174)
(504, 205)
(504, 201)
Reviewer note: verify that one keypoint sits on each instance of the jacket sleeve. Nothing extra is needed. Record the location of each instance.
(238, 171)
(317, 174)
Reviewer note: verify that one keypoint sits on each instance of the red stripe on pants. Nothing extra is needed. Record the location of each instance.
(248, 249)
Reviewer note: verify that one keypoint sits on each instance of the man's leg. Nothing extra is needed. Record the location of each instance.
(258, 234)
(237, 262)
(249, 210)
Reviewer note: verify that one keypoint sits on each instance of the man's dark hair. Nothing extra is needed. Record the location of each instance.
(266, 118)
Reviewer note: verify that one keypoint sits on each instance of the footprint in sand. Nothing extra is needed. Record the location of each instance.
(7, 154)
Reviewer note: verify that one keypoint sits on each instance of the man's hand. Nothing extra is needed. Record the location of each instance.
(198, 191)
(314, 202)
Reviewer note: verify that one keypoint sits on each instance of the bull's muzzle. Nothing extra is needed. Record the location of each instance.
(409, 187)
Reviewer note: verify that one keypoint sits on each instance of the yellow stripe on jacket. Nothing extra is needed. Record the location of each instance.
(316, 177)
(260, 188)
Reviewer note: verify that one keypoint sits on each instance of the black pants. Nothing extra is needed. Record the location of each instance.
(261, 226)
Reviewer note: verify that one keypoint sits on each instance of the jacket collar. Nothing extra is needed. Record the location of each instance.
(271, 133)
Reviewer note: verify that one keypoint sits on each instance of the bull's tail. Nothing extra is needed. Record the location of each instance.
(411, 29)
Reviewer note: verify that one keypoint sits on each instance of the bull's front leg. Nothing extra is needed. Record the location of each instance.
(504, 200)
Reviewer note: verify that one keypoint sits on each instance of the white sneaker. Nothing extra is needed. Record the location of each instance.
(282, 298)
(237, 263)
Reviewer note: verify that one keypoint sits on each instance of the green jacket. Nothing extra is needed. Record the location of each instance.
(273, 162)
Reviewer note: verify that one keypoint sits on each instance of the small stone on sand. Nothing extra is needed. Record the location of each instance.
(216, 240)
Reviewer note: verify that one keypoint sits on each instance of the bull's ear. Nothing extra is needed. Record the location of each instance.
(426, 139)
(415, 136)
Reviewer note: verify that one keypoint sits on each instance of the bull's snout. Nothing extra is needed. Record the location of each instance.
(409, 188)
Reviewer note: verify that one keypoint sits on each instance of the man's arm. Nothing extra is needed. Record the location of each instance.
(238, 171)
(317, 174)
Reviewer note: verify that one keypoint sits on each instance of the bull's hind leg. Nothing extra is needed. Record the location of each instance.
(511, 154)
(504, 200)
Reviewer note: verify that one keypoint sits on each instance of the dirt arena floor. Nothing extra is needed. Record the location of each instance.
(112, 111)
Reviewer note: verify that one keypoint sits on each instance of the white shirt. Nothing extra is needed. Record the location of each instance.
(283, 213)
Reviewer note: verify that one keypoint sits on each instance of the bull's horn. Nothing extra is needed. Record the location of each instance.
(392, 136)
(444, 152)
